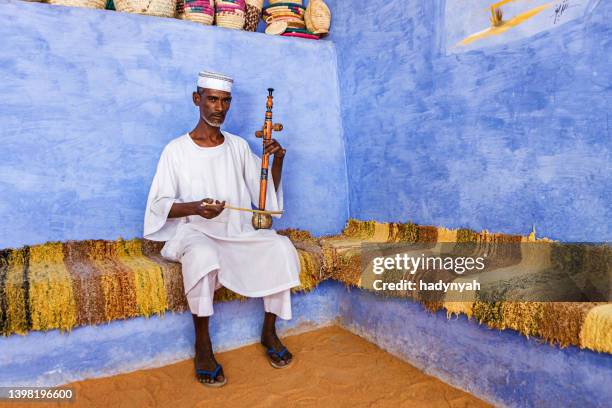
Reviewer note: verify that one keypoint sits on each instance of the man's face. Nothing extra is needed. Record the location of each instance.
(213, 105)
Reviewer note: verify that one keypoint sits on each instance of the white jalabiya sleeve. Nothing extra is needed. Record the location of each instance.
(274, 197)
(163, 193)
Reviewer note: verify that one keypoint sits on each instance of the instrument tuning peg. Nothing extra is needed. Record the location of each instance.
(278, 127)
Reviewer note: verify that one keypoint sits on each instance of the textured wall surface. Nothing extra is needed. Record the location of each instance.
(53, 358)
(499, 138)
(89, 98)
(501, 367)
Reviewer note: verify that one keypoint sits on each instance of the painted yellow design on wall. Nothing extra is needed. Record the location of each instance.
(475, 24)
(505, 25)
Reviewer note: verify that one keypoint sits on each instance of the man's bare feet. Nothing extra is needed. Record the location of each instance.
(208, 371)
(278, 353)
(205, 360)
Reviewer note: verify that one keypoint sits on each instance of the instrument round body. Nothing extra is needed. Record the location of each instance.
(262, 221)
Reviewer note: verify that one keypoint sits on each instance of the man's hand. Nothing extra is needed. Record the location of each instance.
(209, 208)
(273, 147)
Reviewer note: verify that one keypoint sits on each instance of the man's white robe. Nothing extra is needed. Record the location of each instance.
(253, 263)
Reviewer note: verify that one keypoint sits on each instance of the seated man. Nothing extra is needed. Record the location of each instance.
(198, 173)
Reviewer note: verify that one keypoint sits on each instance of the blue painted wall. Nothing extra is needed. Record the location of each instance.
(90, 97)
(501, 367)
(498, 138)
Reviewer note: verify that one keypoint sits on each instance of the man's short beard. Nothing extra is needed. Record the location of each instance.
(213, 124)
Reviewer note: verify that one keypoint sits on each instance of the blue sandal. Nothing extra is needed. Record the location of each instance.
(271, 352)
(211, 374)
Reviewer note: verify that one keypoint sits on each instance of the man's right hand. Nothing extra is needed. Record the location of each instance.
(209, 208)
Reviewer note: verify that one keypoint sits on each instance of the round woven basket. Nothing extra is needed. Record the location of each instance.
(255, 3)
(185, 12)
(285, 1)
(251, 17)
(318, 17)
(97, 4)
(197, 17)
(230, 20)
(285, 6)
(160, 8)
(296, 24)
(297, 20)
(239, 4)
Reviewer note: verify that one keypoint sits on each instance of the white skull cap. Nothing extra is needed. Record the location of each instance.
(213, 80)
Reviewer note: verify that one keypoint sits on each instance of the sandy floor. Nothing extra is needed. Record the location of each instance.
(333, 368)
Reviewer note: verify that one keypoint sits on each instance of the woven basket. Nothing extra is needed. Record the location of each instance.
(160, 8)
(286, 1)
(230, 20)
(197, 17)
(292, 24)
(186, 13)
(317, 17)
(97, 4)
(232, 4)
(251, 18)
(292, 19)
(255, 3)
